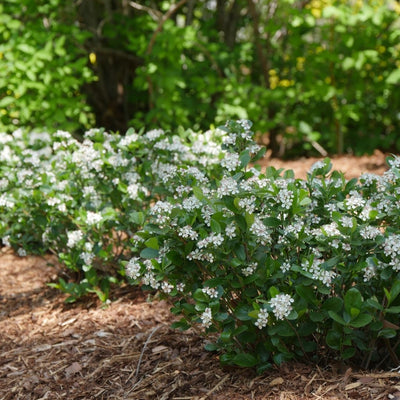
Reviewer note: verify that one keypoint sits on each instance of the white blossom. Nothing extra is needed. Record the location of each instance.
(262, 319)
(211, 292)
(133, 268)
(281, 305)
(228, 186)
(206, 317)
(93, 218)
(73, 238)
(187, 233)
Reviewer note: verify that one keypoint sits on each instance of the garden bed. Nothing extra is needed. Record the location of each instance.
(126, 350)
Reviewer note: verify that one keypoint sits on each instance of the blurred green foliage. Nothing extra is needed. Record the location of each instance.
(42, 67)
(312, 74)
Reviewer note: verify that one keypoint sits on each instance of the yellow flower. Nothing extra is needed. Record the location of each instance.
(286, 83)
(92, 58)
(273, 82)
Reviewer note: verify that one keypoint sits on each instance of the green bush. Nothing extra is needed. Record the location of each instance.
(271, 267)
(43, 67)
(279, 268)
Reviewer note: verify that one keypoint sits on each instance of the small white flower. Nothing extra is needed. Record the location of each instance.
(133, 268)
(369, 273)
(93, 218)
(73, 238)
(230, 230)
(249, 270)
(206, 317)
(231, 161)
(212, 292)
(285, 267)
(281, 305)
(347, 222)
(262, 319)
(260, 231)
(21, 252)
(228, 186)
(87, 257)
(188, 233)
(166, 287)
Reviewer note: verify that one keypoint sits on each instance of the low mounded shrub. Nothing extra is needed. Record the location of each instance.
(271, 267)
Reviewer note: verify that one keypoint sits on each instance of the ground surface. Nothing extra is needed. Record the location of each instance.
(126, 350)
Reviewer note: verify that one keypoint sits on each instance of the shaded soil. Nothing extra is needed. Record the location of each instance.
(126, 350)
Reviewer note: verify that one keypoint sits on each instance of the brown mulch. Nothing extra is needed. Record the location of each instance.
(126, 349)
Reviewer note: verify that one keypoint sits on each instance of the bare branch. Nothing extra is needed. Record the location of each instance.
(155, 14)
(165, 17)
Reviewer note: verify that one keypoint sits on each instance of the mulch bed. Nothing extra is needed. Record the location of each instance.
(126, 350)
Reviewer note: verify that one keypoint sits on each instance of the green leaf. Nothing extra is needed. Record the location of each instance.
(211, 347)
(337, 318)
(394, 77)
(361, 320)
(333, 304)
(393, 310)
(333, 339)
(272, 222)
(244, 360)
(242, 313)
(244, 158)
(387, 333)
(137, 218)
(200, 296)
(348, 353)
(152, 243)
(198, 193)
(307, 293)
(394, 291)
(215, 226)
(352, 299)
(149, 253)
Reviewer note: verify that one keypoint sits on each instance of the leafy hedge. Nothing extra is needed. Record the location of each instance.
(271, 267)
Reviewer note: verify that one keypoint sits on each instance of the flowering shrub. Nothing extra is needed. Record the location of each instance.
(276, 267)
(271, 267)
(84, 200)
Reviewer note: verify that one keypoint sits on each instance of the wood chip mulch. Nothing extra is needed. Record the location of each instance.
(126, 350)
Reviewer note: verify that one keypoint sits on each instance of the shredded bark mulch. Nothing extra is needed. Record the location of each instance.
(126, 350)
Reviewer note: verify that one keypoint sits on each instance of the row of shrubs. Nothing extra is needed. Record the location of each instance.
(269, 266)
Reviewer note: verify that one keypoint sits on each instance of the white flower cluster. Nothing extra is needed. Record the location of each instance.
(93, 218)
(370, 232)
(199, 255)
(346, 221)
(258, 229)
(191, 203)
(231, 161)
(87, 257)
(369, 273)
(318, 273)
(262, 319)
(230, 230)
(228, 186)
(206, 317)
(73, 238)
(211, 292)
(354, 201)
(188, 233)
(391, 246)
(213, 240)
(248, 203)
(281, 305)
(285, 197)
(133, 268)
(249, 269)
